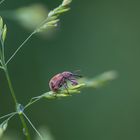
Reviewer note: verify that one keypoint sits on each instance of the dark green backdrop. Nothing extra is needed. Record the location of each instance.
(95, 36)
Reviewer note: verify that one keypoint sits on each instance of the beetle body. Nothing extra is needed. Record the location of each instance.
(61, 79)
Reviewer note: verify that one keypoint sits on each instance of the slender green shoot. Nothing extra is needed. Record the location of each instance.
(32, 126)
(1, 68)
(20, 47)
(10, 114)
(50, 21)
(7, 120)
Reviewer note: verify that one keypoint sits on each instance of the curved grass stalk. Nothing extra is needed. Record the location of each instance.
(32, 101)
(20, 47)
(16, 102)
(7, 120)
(1, 68)
(51, 20)
(7, 115)
(32, 126)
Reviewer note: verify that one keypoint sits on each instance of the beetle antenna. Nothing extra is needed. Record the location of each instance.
(66, 87)
(77, 75)
(76, 71)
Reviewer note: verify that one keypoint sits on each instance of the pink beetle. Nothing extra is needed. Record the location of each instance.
(61, 79)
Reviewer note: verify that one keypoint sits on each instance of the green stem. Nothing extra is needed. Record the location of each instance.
(10, 85)
(1, 58)
(16, 103)
(27, 134)
(33, 126)
(33, 101)
(7, 115)
(20, 47)
(3, 53)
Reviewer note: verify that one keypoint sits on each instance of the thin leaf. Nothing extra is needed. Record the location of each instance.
(1, 23)
(4, 33)
(66, 2)
(3, 127)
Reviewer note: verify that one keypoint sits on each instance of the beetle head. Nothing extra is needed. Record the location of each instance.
(68, 74)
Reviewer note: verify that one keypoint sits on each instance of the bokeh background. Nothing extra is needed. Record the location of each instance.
(95, 36)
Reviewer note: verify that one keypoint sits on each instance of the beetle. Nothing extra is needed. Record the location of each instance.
(61, 79)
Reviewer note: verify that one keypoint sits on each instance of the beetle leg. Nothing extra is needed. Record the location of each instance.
(73, 81)
(77, 76)
(61, 82)
(66, 86)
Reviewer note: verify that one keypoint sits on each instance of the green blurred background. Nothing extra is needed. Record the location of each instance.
(95, 36)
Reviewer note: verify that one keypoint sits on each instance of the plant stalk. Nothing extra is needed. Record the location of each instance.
(20, 47)
(16, 103)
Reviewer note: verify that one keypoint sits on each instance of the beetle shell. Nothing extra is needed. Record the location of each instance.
(61, 79)
(55, 82)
